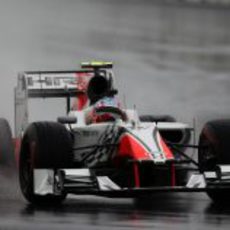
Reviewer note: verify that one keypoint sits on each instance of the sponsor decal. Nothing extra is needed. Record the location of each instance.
(89, 133)
(77, 81)
(104, 151)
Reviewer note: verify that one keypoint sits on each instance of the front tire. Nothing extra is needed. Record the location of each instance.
(215, 144)
(44, 145)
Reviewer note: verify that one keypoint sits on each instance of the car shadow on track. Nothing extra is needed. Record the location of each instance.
(157, 204)
(218, 209)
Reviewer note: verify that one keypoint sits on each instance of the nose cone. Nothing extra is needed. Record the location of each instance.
(145, 144)
(131, 147)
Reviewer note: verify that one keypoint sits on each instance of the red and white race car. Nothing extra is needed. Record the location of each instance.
(103, 149)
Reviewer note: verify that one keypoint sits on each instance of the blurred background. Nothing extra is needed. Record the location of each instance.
(170, 56)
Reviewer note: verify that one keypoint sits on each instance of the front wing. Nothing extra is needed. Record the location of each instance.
(84, 182)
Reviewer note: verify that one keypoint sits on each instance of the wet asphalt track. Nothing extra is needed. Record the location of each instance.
(175, 59)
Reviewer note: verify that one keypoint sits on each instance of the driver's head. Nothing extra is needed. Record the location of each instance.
(101, 85)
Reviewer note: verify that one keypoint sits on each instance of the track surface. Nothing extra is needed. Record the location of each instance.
(176, 60)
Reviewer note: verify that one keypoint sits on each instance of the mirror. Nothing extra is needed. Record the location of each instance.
(67, 120)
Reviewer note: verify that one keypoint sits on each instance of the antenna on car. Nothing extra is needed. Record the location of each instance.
(97, 65)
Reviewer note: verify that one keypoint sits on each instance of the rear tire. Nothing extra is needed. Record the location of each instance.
(215, 137)
(44, 145)
(6, 144)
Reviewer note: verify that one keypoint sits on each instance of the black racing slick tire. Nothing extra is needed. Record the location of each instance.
(44, 145)
(6, 144)
(214, 149)
(155, 118)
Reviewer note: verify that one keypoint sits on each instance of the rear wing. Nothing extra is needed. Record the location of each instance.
(47, 84)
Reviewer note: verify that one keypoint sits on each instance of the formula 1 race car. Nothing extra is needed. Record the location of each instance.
(100, 148)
